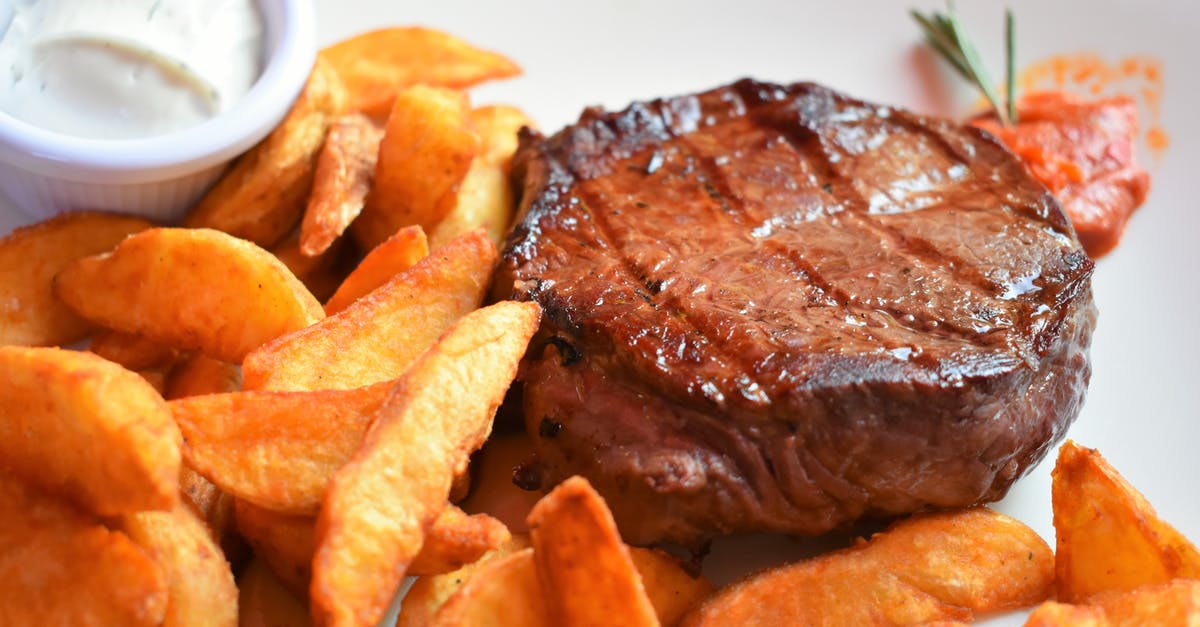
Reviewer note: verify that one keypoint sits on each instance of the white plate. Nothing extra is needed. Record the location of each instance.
(1142, 410)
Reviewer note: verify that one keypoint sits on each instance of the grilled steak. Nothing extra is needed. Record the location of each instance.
(777, 308)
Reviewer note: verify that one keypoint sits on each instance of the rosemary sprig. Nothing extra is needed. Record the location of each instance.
(946, 34)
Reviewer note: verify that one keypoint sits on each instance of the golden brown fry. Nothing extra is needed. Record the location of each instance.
(394, 255)
(503, 592)
(1108, 535)
(134, 352)
(60, 567)
(671, 590)
(190, 288)
(495, 493)
(84, 427)
(199, 580)
(200, 374)
(489, 591)
(428, 593)
(1054, 614)
(264, 601)
(379, 505)
(345, 167)
(377, 65)
(455, 539)
(944, 566)
(215, 508)
(320, 273)
(30, 257)
(377, 337)
(285, 542)
(427, 149)
(1176, 602)
(584, 567)
(277, 450)
(262, 196)
(485, 197)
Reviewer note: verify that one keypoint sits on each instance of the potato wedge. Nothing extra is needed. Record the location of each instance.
(200, 585)
(394, 255)
(30, 257)
(134, 352)
(943, 566)
(321, 273)
(60, 567)
(215, 509)
(1176, 602)
(428, 593)
(377, 65)
(489, 591)
(485, 197)
(200, 374)
(84, 427)
(377, 337)
(504, 592)
(277, 450)
(455, 539)
(345, 167)
(495, 493)
(379, 505)
(190, 288)
(262, 197)
(427, 148)
(672, 591)
(285, 542)
(264, 602)
(583, 565)
(1108, 535)
(1055, 614)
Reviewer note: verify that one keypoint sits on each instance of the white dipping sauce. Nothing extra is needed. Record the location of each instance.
(125, 69)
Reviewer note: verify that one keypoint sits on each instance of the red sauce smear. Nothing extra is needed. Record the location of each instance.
(1083, 150)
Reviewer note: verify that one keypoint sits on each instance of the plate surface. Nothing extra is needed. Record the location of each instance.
(1142, 411)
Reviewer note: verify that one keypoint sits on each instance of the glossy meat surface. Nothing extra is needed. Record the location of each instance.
(778, 308)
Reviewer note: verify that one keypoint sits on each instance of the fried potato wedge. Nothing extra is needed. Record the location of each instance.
(671, 589)
(394, 255)
(485, 197)
(201, 374)
(262, 197)
(504, 592)
(378, 506)
(344, 170)
(428, 593)
(583, 565)
(321, 273)
(263, 601)
(455, 539)
(427, 148)
(190, 288)
(284, 541)
(375, 66)
(495, 493)
(377, 337)
(1108, 535)
(132, 351)
(1176, 602)
(215, 508)
(84, 427)
(277, 450)
(1055, 614)
(510, 592)
(943, 566)
(30, 257)
(60, 567)
(200, 585)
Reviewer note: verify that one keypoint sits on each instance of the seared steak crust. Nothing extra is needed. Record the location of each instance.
(779, 308)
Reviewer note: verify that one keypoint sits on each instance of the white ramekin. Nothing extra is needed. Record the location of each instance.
(45, 173)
